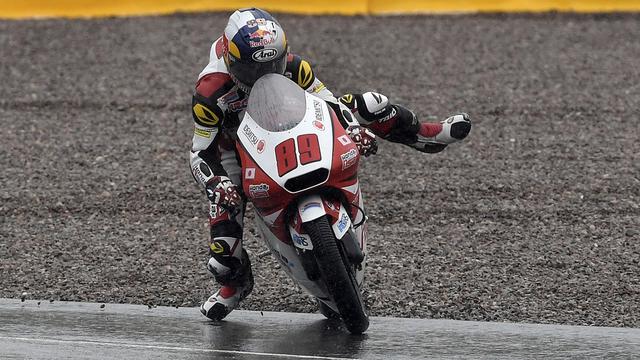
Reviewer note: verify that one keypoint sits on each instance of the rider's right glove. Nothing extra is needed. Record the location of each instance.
(364, 139)
(223, 192)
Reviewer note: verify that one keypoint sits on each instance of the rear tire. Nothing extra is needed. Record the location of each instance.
(338, 275)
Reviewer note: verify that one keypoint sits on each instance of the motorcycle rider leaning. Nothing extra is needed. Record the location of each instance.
(254, 44)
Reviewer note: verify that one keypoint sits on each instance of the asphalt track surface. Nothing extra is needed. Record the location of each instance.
(534, 218)
(115, 331)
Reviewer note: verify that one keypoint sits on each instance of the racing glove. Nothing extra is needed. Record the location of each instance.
(364, 139)
(223, 192)
(454, 128)
(434, 137)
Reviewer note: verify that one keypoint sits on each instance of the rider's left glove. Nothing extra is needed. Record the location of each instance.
(223, 192)
(364, 139)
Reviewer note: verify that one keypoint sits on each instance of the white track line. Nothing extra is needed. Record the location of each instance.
(141, 346)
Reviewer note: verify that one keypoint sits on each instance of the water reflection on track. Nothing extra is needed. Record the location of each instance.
(68, 330)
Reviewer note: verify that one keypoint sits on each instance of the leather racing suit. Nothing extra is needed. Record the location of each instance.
(218, 107)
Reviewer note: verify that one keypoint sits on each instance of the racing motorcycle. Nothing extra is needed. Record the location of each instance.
(300, 171)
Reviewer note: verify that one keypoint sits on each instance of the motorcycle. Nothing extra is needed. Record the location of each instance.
(300, 171)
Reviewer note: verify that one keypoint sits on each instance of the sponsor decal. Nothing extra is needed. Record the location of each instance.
(317, 108)
(260, 146)
(203, 133)
(300, 240)
(310, 206)
(344, 221)
(262, 37)
(239, 105)
(216, 211)
(344, 140)
(233, 101)
(264, 55)
(250, 173)
(205, 115)
(198, 174)
(349, 158)
(377, 97)
(318, 125)
(259, 191)
(391, 115)
(253, 139)
(229, 97)
(256, 22)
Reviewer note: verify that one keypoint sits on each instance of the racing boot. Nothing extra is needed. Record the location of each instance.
(434, 137)
(235, 288)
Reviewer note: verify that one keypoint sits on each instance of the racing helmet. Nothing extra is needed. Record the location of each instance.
(254, 44)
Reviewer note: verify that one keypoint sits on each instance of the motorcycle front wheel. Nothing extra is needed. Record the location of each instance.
(338, 275)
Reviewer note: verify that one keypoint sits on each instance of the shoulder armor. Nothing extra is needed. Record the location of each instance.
(300, 71)
(209, 88)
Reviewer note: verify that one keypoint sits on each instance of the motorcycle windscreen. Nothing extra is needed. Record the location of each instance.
(276, 103)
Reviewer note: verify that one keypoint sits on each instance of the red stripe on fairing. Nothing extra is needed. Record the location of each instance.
(430, 129)
(211, 83)
(278, 198)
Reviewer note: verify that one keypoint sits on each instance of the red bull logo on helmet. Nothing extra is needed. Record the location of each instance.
(262, 37)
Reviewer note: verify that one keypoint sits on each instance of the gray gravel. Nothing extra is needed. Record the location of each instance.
(534, 218)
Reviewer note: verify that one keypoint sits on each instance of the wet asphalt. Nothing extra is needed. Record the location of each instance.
(70, 330)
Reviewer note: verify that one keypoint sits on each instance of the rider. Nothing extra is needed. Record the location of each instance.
(254, 44)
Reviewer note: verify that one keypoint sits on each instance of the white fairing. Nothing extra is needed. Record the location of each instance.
(311, 208)
(276, 113)
(272, 119)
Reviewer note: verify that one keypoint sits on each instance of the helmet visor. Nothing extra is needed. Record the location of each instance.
(249, 72)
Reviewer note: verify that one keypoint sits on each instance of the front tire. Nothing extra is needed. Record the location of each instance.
(338, 275)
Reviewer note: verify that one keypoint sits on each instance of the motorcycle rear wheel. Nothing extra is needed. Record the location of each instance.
(338, 275)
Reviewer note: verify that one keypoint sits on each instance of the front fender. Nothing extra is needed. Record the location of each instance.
(309, 208)
(312, 207)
